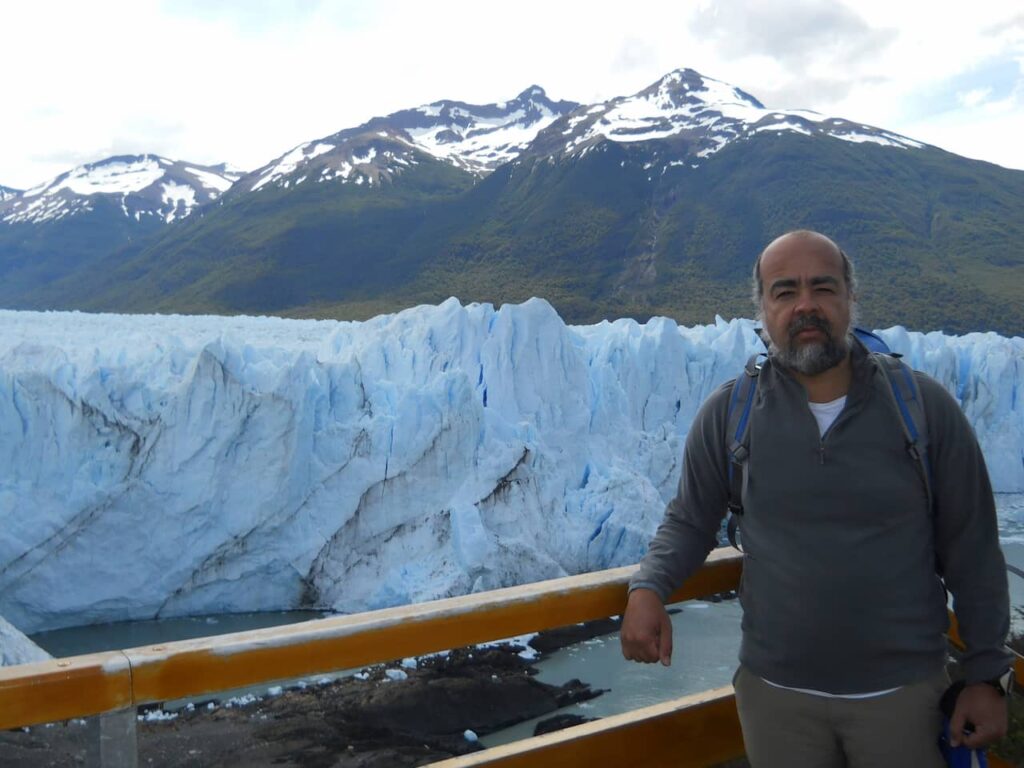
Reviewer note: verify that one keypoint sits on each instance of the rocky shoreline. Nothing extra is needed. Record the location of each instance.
(406, 713)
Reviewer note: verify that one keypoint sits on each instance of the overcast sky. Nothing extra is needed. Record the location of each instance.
(243, 81)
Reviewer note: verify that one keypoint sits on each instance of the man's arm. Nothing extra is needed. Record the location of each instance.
(967, 545)
(688, 532)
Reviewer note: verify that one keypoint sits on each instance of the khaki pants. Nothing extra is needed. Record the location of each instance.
(787, 729)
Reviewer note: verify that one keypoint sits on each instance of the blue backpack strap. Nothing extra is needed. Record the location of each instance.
(906, 397)
(736, 432)
(872, 341)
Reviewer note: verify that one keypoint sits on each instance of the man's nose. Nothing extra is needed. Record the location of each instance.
(807, 302)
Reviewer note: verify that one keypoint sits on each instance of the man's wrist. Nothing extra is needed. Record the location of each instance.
(648, 586)
(1002, 684)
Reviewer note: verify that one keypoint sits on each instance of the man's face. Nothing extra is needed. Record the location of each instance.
(806, 303)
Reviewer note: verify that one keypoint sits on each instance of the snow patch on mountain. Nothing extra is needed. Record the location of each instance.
(214, 182)
(289, 162)
(371, 153)
(167, 465)
(139, 186)
(480, 138)
(43, 208)
(363, 157)
(115, 177)
(7, 193)
(178, 199)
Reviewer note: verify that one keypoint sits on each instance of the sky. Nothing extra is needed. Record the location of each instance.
(243, 81)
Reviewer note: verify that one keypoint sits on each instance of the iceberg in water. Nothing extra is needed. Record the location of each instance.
(166, 465)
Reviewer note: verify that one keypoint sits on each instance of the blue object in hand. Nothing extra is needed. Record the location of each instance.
(962, 756)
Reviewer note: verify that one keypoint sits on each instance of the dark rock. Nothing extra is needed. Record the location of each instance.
(423, 705)
(552, 639)
(559, 722)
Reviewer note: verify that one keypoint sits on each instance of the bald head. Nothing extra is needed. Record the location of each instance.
(808, 239)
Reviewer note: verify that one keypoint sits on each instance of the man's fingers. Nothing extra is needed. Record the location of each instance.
(666, 641)
(975, 739)
(642, 651)
(651, 650)
(982, 736)
(640, 647)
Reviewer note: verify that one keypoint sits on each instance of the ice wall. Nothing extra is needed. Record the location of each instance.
(985, 372)
(158, 466)
(16, 649)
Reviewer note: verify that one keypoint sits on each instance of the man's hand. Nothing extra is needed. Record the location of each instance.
(646, 630)
(981, 705)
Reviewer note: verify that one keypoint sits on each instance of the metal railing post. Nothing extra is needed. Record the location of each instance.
(112, 740)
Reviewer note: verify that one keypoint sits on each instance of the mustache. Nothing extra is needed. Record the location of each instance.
(805, 322)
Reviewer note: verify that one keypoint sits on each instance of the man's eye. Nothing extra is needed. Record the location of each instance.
(826, 289)
(783, 294)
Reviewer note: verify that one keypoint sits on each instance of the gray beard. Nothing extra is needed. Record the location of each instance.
(812, 358)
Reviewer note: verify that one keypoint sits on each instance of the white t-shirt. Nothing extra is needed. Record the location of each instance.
(826, 413)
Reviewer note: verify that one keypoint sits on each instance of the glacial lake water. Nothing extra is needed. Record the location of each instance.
(132, 634)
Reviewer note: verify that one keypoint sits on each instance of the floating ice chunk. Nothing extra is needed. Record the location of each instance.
(157, 716)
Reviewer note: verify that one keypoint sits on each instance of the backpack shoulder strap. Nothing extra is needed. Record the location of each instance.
(905, 394)
(737, 430)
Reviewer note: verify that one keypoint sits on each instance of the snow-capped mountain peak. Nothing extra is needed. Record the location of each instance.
(686, 88)
(6, 193)
(111, 176)
(143, 186)
(479, 138)
(357, 156)
(702, 113)
(475, 137)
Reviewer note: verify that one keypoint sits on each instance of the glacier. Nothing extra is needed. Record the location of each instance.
(16, 649)
(157, 466)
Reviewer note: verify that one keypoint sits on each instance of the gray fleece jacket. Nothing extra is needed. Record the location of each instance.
(839, 587)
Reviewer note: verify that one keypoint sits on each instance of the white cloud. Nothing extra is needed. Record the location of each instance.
(243, 82)
(974, 97)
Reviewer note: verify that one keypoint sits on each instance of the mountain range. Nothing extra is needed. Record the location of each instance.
(650, 204)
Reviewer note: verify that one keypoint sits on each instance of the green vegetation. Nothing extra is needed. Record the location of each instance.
(1011, 748)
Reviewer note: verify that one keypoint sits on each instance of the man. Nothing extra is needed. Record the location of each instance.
(842, 655)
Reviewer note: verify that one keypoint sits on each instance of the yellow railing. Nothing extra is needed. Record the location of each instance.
(81, 686)
(94, 684)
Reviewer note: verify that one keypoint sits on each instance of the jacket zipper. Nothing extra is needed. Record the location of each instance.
(822, 438)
